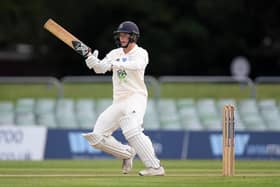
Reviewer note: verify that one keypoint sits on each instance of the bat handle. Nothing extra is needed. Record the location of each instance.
(89, 52)
(81, 48)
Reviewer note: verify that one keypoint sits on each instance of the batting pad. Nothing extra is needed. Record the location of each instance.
(139, 141)
(109, 145)
(144, 148)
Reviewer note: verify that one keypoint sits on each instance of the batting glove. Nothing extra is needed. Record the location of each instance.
(92, 60)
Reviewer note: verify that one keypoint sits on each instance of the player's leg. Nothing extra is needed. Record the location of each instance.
(109, 145)
(133, 132)
(101, 137)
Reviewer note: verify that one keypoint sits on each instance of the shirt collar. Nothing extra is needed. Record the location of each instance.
(131, 51)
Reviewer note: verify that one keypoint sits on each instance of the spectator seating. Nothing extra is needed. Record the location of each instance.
(6, 113)
(24, 111)
(151, 119)
(167, 114)
(85, 113)
(65, 113)
(208, 114)
(188, 114)
(270, 113)
(45, 112)
(250, 115)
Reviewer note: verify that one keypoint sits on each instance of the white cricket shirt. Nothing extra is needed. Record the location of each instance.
(128, 72)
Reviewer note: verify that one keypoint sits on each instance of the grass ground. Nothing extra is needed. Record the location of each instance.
(88, 173)
(13, 91)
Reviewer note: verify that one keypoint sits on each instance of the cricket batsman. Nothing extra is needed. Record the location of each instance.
(128, 63)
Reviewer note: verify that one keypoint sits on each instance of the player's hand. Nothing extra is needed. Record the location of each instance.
(92, 59)
(95, 53)
(115, 63)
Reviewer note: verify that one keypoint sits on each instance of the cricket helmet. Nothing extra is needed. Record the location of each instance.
(127, 27)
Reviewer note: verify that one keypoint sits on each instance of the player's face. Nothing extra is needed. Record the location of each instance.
(124, 38)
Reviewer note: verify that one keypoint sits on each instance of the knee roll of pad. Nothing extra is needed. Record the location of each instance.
(109, 145)
(130, 126)
(92, 138)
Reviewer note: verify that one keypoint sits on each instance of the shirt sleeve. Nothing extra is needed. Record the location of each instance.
(103, 66)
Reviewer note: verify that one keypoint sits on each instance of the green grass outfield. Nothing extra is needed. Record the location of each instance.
(178, 90)
(88, 173)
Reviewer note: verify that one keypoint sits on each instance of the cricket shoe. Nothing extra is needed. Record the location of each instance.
(152, 172)
(128, 163)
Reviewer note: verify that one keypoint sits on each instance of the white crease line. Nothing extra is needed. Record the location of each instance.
(167, 175)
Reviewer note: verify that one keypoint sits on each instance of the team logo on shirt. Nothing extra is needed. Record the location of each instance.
(121, 74)
(124, 59)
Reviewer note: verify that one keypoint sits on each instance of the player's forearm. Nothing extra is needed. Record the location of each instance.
(102, 67)
(99, 66)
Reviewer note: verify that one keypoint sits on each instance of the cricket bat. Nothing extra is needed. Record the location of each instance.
(66, 37)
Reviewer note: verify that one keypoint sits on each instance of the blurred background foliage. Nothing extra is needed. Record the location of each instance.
(194, 37)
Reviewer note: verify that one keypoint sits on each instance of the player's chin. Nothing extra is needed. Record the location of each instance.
(123, 44)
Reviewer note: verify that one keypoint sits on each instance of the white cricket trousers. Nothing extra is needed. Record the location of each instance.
(109, 120)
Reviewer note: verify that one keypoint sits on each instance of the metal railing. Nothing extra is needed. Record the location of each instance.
(151, 81)
(86, 79)
(271, 80)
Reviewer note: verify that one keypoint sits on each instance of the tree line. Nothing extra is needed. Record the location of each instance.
(194, 37)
